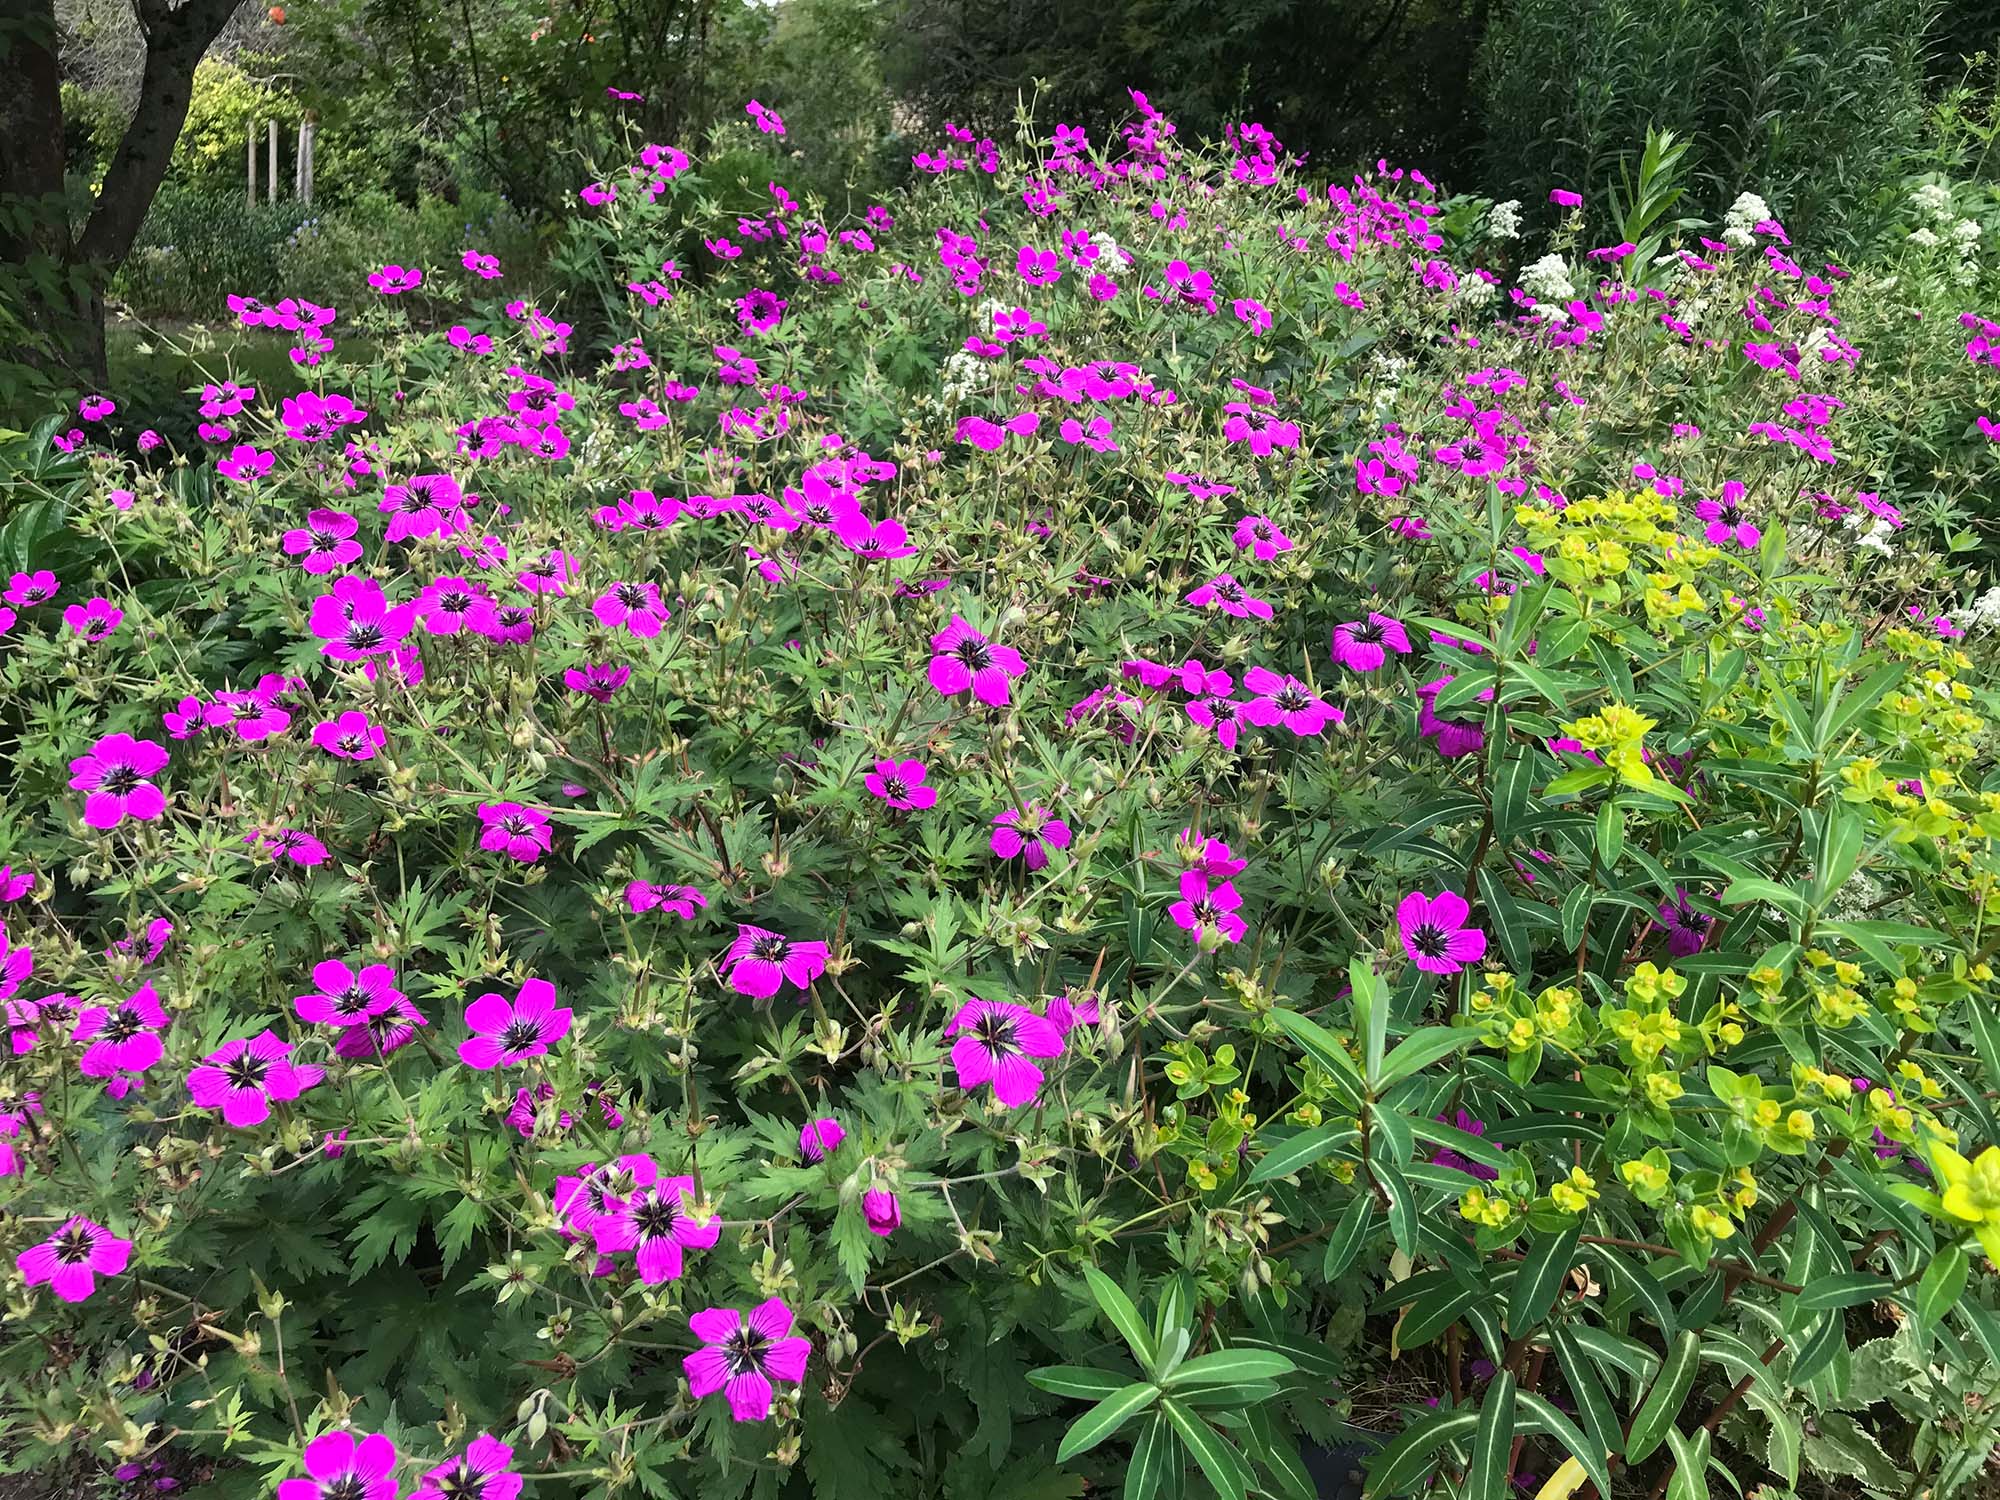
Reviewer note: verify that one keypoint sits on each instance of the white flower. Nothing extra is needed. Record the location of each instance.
(1112, 258)
(1966, 232)
(1924, 237)
(1503, 220)
(1932, 200)
(962, 373)
(1738, 238)
(1876, 537)
(1745, 214)
(1985, 611)
(1475, 292)
(1547, 280)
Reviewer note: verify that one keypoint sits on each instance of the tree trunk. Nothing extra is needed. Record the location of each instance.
(56, 277)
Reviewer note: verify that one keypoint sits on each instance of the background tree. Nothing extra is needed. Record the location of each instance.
(60, 246)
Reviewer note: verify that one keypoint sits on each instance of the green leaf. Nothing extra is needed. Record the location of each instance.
(1346, 1238)
(1220, 1462)
(1610, 835)
(1078, 1381)
(1230, 1366)
(1402, 1203)
(1943, 1282)
(1396, 1466)
(1123, 1315)
(1600, 1422)
(1151, 1457)
(1105, 1418)
(1419, 1050)
(1540, 1278)
(1492, 1442)
(1818, 1348)
(1302, 1150)
(1747, 888)
(1323, 1048)
(1545, 1417)
(1690, 1481)
(1663, 1403)
(1841, 1291)
(1510, 922)
(1371, 1014)
(1576, 915)
(1434, 1312)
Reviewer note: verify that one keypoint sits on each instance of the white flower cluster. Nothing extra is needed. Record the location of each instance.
(1746, 212)
(1547, 280)
(1388, 371)
(1859, 896)
(962, 373)
(1985, 611)
(1933, 202)
(1475, 292)
(1113, 260)
(1503, 220)
(1876, 537)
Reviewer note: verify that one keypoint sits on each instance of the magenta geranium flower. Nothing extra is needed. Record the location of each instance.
(881, 1212)
(743, 1356)
(506, 1033)
(1726, 520)
(30, 589)
(596, 679)
(874, 541)
(325, 542)
(116, 777)
(996, 1041)
(357, 621)
(1454, 738)
(300, 847)
(1223, 715)
(515, 830)
(1285, 700)
(378, 1036)
(347, 997)
(352, 736)
(17, 962)
(1207, 908)
(819, 1139)
(549, 576)
(636, 607)
(652, 1222)
(900, 783)
(71, 1259)
(345, 1466)
(422, 505)
(485, 267)
(245, 463)
(309, 417)
(393, 280)
(243, 1076)
(1687, 929)
(759, 962)
(760, 311)
(94, 620)
(1364, 645)
(1262, 536)
(1434, 932)
(1226, 594)
(14, 884)
(681, 900)
(121, 1039)
(1028, 834)
(967, 660)
(480, 1472)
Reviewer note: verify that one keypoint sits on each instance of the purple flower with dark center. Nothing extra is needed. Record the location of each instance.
(1687, 929)
(510, 624)
(343, 1465)
(309, 417)
(71, 1260)
(1261, 535)
(1288, 701)
(1028, 834)
(1229, 596)
(243, 1076)
(506, 1033)
(116, 777)
(596, 679)
(1207, 908)
(681, 900)
(420, 506)
(445, 605)
(356, 620)
(30, 589)
(759, 962)
(996, 1041)
(346, 997)
(325, 542)
(352, 736)
(819, 1139)
(636, 607)
(480, 1472)
(653, 1222)
(378, 1036)
(393, 280)
(122, 1039)
(1223, 715)
(1364, 645)
(965, 660)
(513, 829)
(1726, 520)
(741, 1357)
(299, 847)
(900, 783)
(1434, 932)
(245, 464)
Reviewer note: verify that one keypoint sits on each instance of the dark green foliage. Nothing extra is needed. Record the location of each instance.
(1818, 108)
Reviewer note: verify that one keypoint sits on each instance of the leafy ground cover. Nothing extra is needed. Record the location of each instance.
(1055, 832)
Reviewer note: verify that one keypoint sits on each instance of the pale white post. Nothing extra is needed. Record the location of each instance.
(250, 163)
(311, 140)
(271, 174)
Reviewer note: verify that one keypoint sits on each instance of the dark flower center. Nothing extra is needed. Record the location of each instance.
(1205, 912)
(349, 742)
(1429, 939)
(120, 780)
(771, 948)
(515, 824)
(514, 615)
(653, 1216)
(316, 430)
(995, 1032)
(1223, 709)
(347, 1487)
(895, 788)
(1229, 593)
(461, 1483)
(631, 595)
(518, 1036)
(324, 541)
(36, 593)
(124, 1024)
(1367, 633)
(361, 637)
(74, 1244)
(455, 602)
(1731, 514)
(974, 654)
(1261, 530)
(819, 513)
(744, 1349)
(1291, 699)
(351, 1001)
(246, 1070)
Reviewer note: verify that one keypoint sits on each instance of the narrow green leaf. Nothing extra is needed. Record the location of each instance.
(1396, 1466)
(1123, 1315)
(1299, 1151)
(1105, 1418)
(1818, 1348)
(1371, 1014)
(1078, 1381)
(1540, 1278)
(1229, 1366)
(1151, 1456)
(1544, 1416)
(1663, 1403)
(1610, 835)
(1419, 1050)
(1402, 1204)
(1600, 1422)
(1690, 1481)
(1324, 1048)
(1492, 1442)
(1842, 1291)
(1346, 1238)
(1944, 1281)
(1219, 1461)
